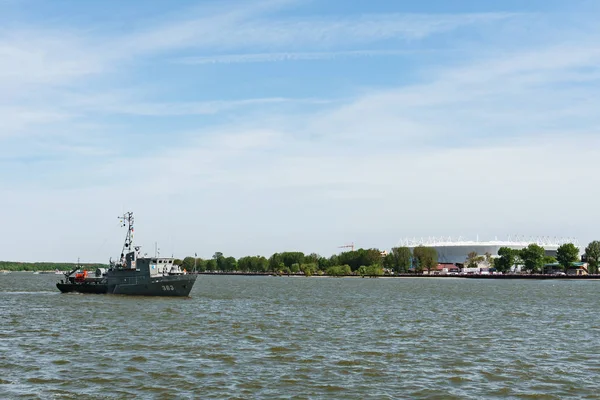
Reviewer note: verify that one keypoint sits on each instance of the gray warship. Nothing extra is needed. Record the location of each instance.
(133, 274)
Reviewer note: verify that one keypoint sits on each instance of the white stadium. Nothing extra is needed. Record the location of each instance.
(455, 251)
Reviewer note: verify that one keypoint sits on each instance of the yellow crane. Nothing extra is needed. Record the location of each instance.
(351, 246)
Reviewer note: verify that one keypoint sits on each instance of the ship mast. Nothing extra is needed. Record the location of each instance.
(127, 220)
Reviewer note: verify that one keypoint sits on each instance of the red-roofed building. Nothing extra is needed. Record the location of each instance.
(444, 268)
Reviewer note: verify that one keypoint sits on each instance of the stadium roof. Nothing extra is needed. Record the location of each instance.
(517, 241)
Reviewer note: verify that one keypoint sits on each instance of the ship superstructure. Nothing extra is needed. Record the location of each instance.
(133, 274)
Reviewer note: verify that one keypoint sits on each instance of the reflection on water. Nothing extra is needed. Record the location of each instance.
(271, 337)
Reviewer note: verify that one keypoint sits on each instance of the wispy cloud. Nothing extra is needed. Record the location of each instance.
(471, 124)
(293, 56)
(45, 57)
(479, 140)
(196, 108)
(49, 58)
(237, 30)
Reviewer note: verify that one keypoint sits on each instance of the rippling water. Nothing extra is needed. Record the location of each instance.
(271, 337)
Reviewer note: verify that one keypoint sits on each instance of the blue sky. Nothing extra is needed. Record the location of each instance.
(250, 127)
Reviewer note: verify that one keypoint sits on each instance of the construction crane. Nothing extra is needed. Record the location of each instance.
(351, 246)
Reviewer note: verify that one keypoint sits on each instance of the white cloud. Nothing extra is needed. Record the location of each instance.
(189, 108)
(533, 67)
(246, 29)
(235, 203)
(45, 57)
(291, 56)
(20, 118)
(497, 145)
(465, 157)
(42, 65)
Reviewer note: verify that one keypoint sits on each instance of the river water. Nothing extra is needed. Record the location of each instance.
(303, 338)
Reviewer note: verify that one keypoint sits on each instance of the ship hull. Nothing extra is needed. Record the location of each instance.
(172, 286)
(95, 288)
(178, 286)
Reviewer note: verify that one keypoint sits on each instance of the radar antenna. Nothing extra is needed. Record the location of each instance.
(127, 220)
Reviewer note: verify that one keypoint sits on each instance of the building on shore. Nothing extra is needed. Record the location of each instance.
(577, 268)
(456, 251)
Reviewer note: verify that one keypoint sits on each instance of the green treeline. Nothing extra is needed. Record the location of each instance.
(533, 258)
(363, 262)
(45, 266)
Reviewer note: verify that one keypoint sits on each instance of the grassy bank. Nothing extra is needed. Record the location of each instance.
(45, 266)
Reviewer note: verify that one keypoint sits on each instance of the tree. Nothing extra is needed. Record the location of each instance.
(426, 257)
(200, 265)
(188, 263)
(292, 257)
(312, 258)
(253, 264)
(339, 270)
(372, 257)
(388, 261)
(592, 255)
(244, 264)
(567, 254)
(274, 262)
(210, 265)
(220, 263)
(230, 264)
(416, 265)
(402, 259)
(533, 257)
(333, 261)
(506, 259)
(260, 264)
(473, 259)
(549, 260)
(372, 270)
(488, 259)
(360, 257)
(323, 263)
(309, 269)
(295, 268)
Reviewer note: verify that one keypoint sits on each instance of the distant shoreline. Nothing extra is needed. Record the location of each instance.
(472, 276)
(425, 276)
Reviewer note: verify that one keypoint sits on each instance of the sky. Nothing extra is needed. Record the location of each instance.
(253, 127)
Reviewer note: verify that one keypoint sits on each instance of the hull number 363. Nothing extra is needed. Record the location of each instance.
(168, 287)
